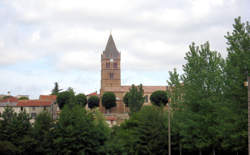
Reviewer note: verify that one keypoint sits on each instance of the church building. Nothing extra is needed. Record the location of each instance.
(111, 78)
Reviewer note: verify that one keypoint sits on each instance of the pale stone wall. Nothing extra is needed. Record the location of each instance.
(16, 109)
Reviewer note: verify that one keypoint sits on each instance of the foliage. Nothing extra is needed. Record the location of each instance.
(56, 89)
(144, 133)
(175, 92)
(76, 132)
(8, 148)
(203, 80)
(159, 98)
(109, 100)
(41, 132)
(7, 96)
(93, 102)
(23, 98)
(125, 99)
(235, 94)
(81, 99)
(65, 97)
(175, 89)
(134, 99)
(15, 132)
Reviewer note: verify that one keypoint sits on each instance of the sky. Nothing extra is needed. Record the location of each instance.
(48, 41)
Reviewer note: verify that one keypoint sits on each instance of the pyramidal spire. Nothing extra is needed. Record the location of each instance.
(111, 50)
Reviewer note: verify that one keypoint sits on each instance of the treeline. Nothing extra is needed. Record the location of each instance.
(76, 131)
(208, 113)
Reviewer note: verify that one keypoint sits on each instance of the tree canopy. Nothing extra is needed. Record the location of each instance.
(93, 102)
(159, 98)
(23, 98)
(109, 100)
(68, 97)
(134, 99)
(81, 99)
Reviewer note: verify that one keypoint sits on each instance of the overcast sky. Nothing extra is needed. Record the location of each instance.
(47, 41)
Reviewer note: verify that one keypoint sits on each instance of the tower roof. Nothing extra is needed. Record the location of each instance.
(111, 50)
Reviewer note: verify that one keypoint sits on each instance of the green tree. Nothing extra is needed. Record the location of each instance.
(175, 92)
(235, 94)
(23, 98)
(66, 97)
(93, 102)
(159, 98)
(15, 131)
(175, 89)
(144, 133)
(76, 132)
(41, 133)
(109, 100)
(134, 99)
(203, 80)
(56, 89)
(125, 99)
(8, 148)
(81, 99)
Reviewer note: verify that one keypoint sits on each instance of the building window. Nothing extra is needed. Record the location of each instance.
(107, 65)
(146, 98)
(44, 108)
(21, 108)
(111, 76)
(33, 108)
(33, 115)
(115, 65)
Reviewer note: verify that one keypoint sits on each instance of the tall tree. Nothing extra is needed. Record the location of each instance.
(41, 132)
(134, 99)
(76, 132)
(237, 65)
(15, 130)
(175, 92)
(203, 80)
(175, 89)
(144, 133)
(56, 89)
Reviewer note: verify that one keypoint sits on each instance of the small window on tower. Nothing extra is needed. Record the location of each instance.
(115, 65)
(107, 65)
(111, 76)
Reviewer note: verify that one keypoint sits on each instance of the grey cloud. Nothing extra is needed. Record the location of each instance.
(73, 37)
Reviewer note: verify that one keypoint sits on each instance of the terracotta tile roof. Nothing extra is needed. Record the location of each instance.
(9, 99)
(47, 98)
(33, 103)
(147, 89)
(93, 94)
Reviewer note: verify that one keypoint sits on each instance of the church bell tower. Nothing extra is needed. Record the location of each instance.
(110, 65)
